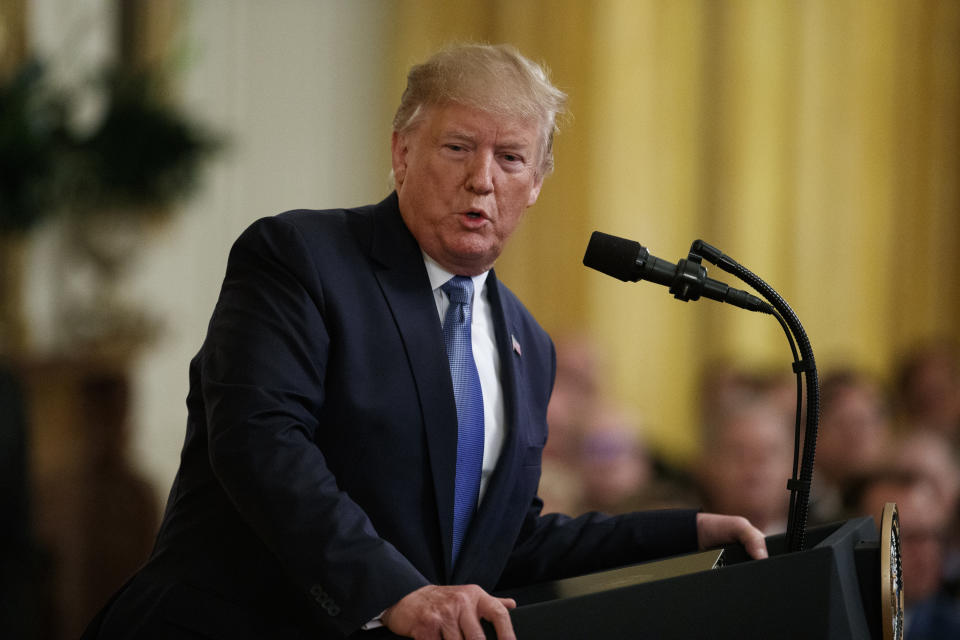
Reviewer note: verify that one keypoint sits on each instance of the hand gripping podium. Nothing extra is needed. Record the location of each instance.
(831, 590)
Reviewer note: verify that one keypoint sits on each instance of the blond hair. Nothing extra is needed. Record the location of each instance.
(496, 79)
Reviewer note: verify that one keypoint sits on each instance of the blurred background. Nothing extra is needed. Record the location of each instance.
(817, 142)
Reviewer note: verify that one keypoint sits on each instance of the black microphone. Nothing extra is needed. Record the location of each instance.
(629, 261)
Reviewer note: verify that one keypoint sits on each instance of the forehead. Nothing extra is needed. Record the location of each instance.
(455, 119)
(753, 428)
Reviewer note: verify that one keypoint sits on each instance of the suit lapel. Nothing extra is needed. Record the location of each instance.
(406, 287)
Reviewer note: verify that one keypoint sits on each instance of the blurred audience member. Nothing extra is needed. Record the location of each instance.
(854, 435)
(724, 387)
(614, 467)
(746, 458)
(576, 393)
(930, 612)
(574, 402)
(929, 388)
(928, 455)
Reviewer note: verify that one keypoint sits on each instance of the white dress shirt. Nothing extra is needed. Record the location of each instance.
(487, 357)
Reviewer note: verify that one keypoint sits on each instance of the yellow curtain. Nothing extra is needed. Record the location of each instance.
(818, 143)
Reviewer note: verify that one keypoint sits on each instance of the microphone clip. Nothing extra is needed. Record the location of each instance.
(689, 279)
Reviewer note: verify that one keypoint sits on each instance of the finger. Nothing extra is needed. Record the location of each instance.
(450, 630)
(470, 625)
(755, 544)
(496, 611)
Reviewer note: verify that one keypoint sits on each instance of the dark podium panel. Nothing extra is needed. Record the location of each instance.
(830, 590)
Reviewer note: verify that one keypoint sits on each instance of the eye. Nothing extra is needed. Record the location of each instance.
(455, 146)
(512, 161)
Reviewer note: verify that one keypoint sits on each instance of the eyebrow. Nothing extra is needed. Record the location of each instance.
(509, 143)
(457, 134)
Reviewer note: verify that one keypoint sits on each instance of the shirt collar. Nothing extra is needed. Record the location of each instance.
(438, 275)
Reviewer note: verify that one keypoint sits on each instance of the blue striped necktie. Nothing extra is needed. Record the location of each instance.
(469, 398)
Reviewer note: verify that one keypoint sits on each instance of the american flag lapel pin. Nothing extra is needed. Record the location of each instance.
(516, 345)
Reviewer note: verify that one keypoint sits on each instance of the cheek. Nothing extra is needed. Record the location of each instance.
(512, 210)
(505, 229)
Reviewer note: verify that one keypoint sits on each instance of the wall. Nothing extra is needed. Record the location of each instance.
(296, 87)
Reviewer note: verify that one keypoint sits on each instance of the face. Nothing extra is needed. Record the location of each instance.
(743, 472)
(922, 533)
(464, 177)
(853, 433)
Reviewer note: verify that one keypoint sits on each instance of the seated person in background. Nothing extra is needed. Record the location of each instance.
(614, 466)
(576, 396)
(854, 436)
(595, 459)
(928, 388)
(930, 613)
(573, 404)
(927, 454)
(745, 461)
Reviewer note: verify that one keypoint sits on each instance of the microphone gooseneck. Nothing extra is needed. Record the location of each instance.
(629, 261)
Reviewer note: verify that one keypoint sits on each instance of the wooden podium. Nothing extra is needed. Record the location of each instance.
(831, 590)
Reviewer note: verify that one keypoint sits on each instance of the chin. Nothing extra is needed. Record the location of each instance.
(477, 260)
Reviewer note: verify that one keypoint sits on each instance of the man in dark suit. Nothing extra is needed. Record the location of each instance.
(319, 492)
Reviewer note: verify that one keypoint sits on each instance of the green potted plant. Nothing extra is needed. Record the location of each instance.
(137, 160)
(123, 175)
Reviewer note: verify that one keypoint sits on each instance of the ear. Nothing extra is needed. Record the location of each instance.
(398, 151)
(535, 191)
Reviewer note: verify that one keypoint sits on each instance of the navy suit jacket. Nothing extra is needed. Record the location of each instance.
(316, 482)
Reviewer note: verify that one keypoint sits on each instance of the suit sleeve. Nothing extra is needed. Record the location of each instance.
(263, 372)
(554, 546)
(557, 546)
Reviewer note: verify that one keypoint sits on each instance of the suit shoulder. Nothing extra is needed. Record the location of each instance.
(320, 221)
(315, 227)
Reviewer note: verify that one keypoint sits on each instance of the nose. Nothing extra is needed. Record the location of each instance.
(480, 174)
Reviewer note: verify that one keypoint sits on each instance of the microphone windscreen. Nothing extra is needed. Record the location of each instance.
(613, 256)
